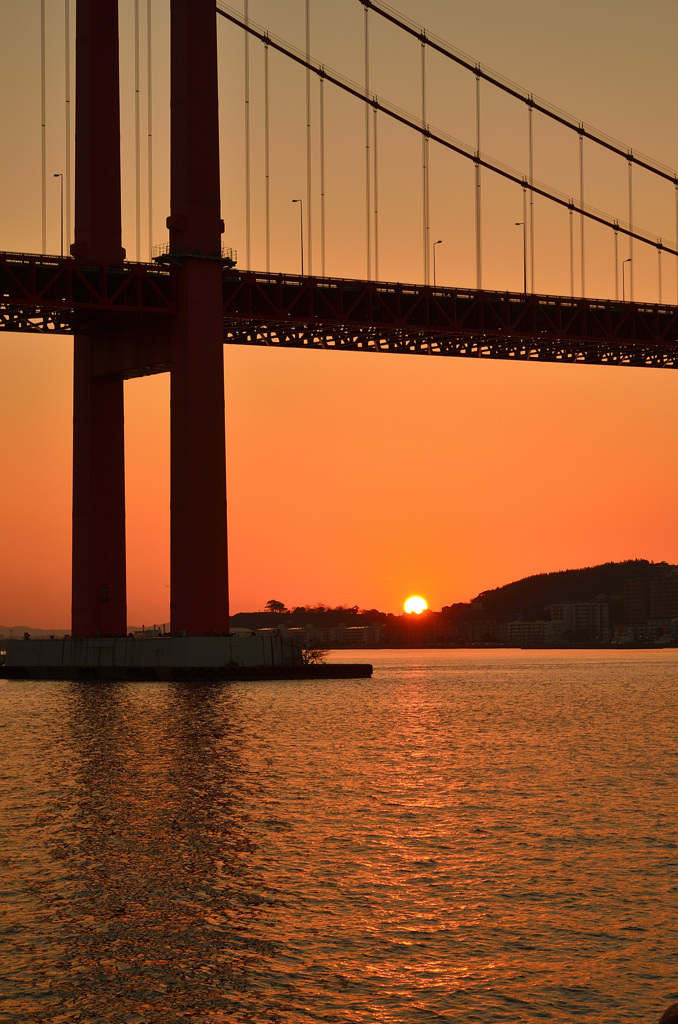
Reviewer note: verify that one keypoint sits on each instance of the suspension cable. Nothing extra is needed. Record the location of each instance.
(309, 164)
(531, 179)
(375, 192)
(248, 195)
(322, 176)
(137, 133)
(581, 217)
(631, 226)
(571, 217)
(479, 254)
(525, 230)
(493, 78)
(267, 162)
(149, 118)
(67, 77)
(454, 145)
(368, 202)
(424, 166)
(616, 265)
(43, 128)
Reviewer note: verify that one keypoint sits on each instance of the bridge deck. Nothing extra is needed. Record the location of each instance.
(52, 294)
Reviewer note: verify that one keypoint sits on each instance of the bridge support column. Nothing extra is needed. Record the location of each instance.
(199, 555)
(99, 605)
(198, 547)
(99, 599)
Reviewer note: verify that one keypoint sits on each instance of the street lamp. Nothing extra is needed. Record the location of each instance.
(629, 260)
(521, 224)
(434, 260)
(301, 230)
(59, 175)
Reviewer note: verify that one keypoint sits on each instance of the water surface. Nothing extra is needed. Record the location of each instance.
(466, 836)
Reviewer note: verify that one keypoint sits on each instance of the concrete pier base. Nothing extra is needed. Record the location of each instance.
(165, 658)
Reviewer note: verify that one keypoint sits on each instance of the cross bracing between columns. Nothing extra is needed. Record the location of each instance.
(62, 294)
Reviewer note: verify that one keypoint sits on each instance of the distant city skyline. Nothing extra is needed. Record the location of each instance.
(354, 480)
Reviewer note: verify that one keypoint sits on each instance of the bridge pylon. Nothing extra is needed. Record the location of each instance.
(198, 546)
(99, 597)
(198, 543)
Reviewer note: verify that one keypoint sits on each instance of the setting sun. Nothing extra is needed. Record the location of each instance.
(416, 605)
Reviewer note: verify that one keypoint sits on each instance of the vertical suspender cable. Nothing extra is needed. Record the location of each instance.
(43, 130)
(322, 176)
(368, 204)
(424, 164)
(479, 255)
(581, 216)
(376, 200)
(675, 189)
(525, 224)
(267, 162)
(137, 133)
(531, 173)
(631, 224)
(67, 65)
(571, 216)
(616, 263)
(149, 118)
(247, 140)
(659, 271)
(309, 155)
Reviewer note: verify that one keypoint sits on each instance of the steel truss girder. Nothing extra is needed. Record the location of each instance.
(354, 315)
(60, 294)
(286, 335)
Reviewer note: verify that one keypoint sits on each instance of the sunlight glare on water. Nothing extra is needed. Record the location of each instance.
(467, 836)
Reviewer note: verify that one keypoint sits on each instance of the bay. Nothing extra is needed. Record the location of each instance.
(469, 835)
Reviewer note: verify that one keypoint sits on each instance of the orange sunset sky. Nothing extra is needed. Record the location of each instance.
(356, 478)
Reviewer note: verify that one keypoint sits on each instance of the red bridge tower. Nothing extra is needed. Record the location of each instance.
(199, 558)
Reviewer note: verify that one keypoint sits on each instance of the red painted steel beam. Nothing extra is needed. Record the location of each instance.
(198, 542)
(334, 313)
(50, 294)
(99, 594)
(103, 286)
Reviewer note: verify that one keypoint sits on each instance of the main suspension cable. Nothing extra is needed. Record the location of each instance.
(454, 145)
(493, 78)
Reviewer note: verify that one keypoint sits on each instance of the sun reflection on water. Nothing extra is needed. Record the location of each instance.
(451, 836)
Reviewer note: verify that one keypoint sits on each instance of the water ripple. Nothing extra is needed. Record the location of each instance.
(463, 837)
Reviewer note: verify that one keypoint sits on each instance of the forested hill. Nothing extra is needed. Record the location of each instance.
(529, 597)
(526, 599)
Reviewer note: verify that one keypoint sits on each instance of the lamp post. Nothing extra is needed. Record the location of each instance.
(60, 175)
(301, 230)
(521, 224)
(629, 260)
(434, 260)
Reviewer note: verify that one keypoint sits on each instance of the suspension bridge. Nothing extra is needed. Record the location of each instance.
(134, 318)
